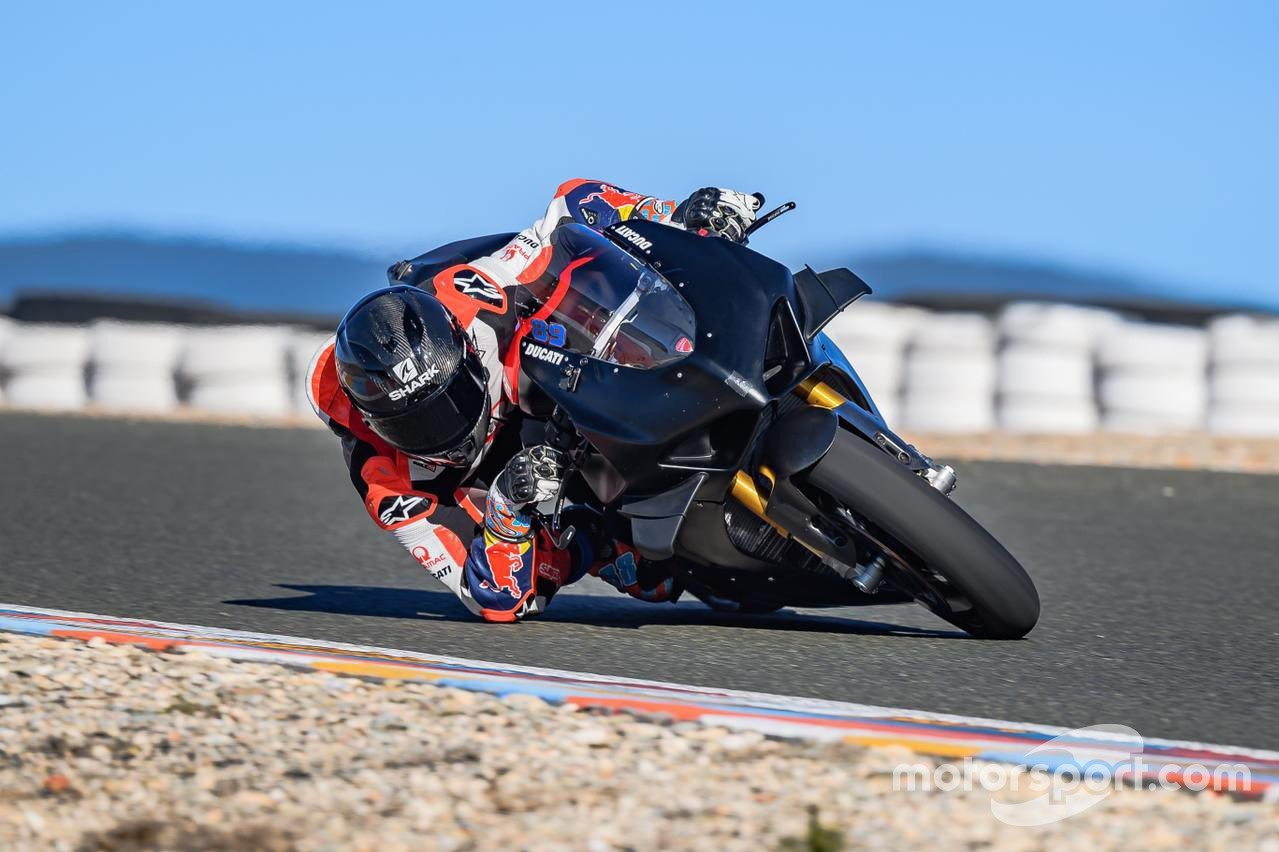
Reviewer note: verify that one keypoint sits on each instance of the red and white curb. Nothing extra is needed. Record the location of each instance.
(777, 715)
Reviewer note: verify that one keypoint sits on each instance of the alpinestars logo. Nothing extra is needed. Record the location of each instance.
(541, 353)
(473, 284)
(400, 508)
(410, 377)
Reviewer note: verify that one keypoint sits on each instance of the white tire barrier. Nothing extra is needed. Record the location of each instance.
(1173, 394)
(1153, 378)
(890, 408)
(865, 323)
(135, 346)
(131, 365)
(955, 332)
(44, 347)
(1038, 370)
(268, 396)
(1047, 365)
(1244, 384)
(874, 335)
(965, 373)
(238, 370)
(1239, 339)
(880, 370)
(6, 326)
(1250, 421)
(301, 349)
(56, 390)
(234, 350)
(950, 375)
(151, 393)
(43, 365)
(1053, 325)
(1158, 347)
(945, 412)
(1050, 415)
(1148, 423)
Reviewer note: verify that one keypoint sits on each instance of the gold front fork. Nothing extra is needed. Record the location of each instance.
(818, 393)
(814, 392)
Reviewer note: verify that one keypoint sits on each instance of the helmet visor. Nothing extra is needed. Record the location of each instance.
(441, 421)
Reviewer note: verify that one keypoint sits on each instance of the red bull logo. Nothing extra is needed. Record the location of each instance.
(622, 202)
(505, 559)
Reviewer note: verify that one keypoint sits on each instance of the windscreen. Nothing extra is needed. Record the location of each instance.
(613, 307)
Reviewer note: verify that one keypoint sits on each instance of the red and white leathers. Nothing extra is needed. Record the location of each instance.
(437, 512)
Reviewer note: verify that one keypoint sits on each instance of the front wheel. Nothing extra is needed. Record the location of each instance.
(936, 551)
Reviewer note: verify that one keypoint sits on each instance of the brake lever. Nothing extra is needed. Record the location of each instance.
(561, 538)
(561, 434)
(761, 221)
(551, 524)
(565, 538)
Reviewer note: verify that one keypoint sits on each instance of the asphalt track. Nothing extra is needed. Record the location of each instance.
(1158, 587)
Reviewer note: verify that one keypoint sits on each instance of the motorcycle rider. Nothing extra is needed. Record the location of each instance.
(418, 385)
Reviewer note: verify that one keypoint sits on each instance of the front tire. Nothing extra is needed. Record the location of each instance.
(939, 554)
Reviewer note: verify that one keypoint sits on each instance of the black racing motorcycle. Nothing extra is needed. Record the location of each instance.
(691, 383)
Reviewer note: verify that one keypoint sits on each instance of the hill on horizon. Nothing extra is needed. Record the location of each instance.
(326, 281)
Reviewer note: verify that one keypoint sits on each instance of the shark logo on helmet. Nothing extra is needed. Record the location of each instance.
(410, 378)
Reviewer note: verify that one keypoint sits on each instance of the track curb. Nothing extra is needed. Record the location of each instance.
(925, 733)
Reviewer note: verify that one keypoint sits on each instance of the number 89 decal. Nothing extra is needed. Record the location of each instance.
(552, 334)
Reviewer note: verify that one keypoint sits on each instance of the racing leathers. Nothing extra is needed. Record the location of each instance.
(438, 512)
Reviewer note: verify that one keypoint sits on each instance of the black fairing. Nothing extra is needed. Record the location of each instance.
(670, 440)
(637, 418)
(799, 440)
(822, 295)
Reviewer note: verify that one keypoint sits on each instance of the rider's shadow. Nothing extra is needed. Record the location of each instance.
(569, 608)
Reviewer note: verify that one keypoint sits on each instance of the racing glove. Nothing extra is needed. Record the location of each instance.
(724, 212)
(532, 476)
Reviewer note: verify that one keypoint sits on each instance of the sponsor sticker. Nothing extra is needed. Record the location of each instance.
(438, 567)
(402, 507)
(735, 381)
(550, 333)
(505, 559)
(541, 353)
(469, 282)
(411, 378)
(635, 238)
(620, 200)
(654, 209)
(405, 371)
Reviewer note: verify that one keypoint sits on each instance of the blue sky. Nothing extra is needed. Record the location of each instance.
(1133, 136)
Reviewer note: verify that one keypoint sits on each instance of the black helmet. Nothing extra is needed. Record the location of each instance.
(414, 374)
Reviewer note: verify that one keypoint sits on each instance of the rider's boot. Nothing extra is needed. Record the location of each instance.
(642, 579)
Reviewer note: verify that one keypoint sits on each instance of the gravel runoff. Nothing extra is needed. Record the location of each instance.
(115, 747)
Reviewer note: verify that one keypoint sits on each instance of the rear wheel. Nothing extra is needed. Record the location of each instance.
(936, 552)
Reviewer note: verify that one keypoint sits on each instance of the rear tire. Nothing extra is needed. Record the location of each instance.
(935, 536)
